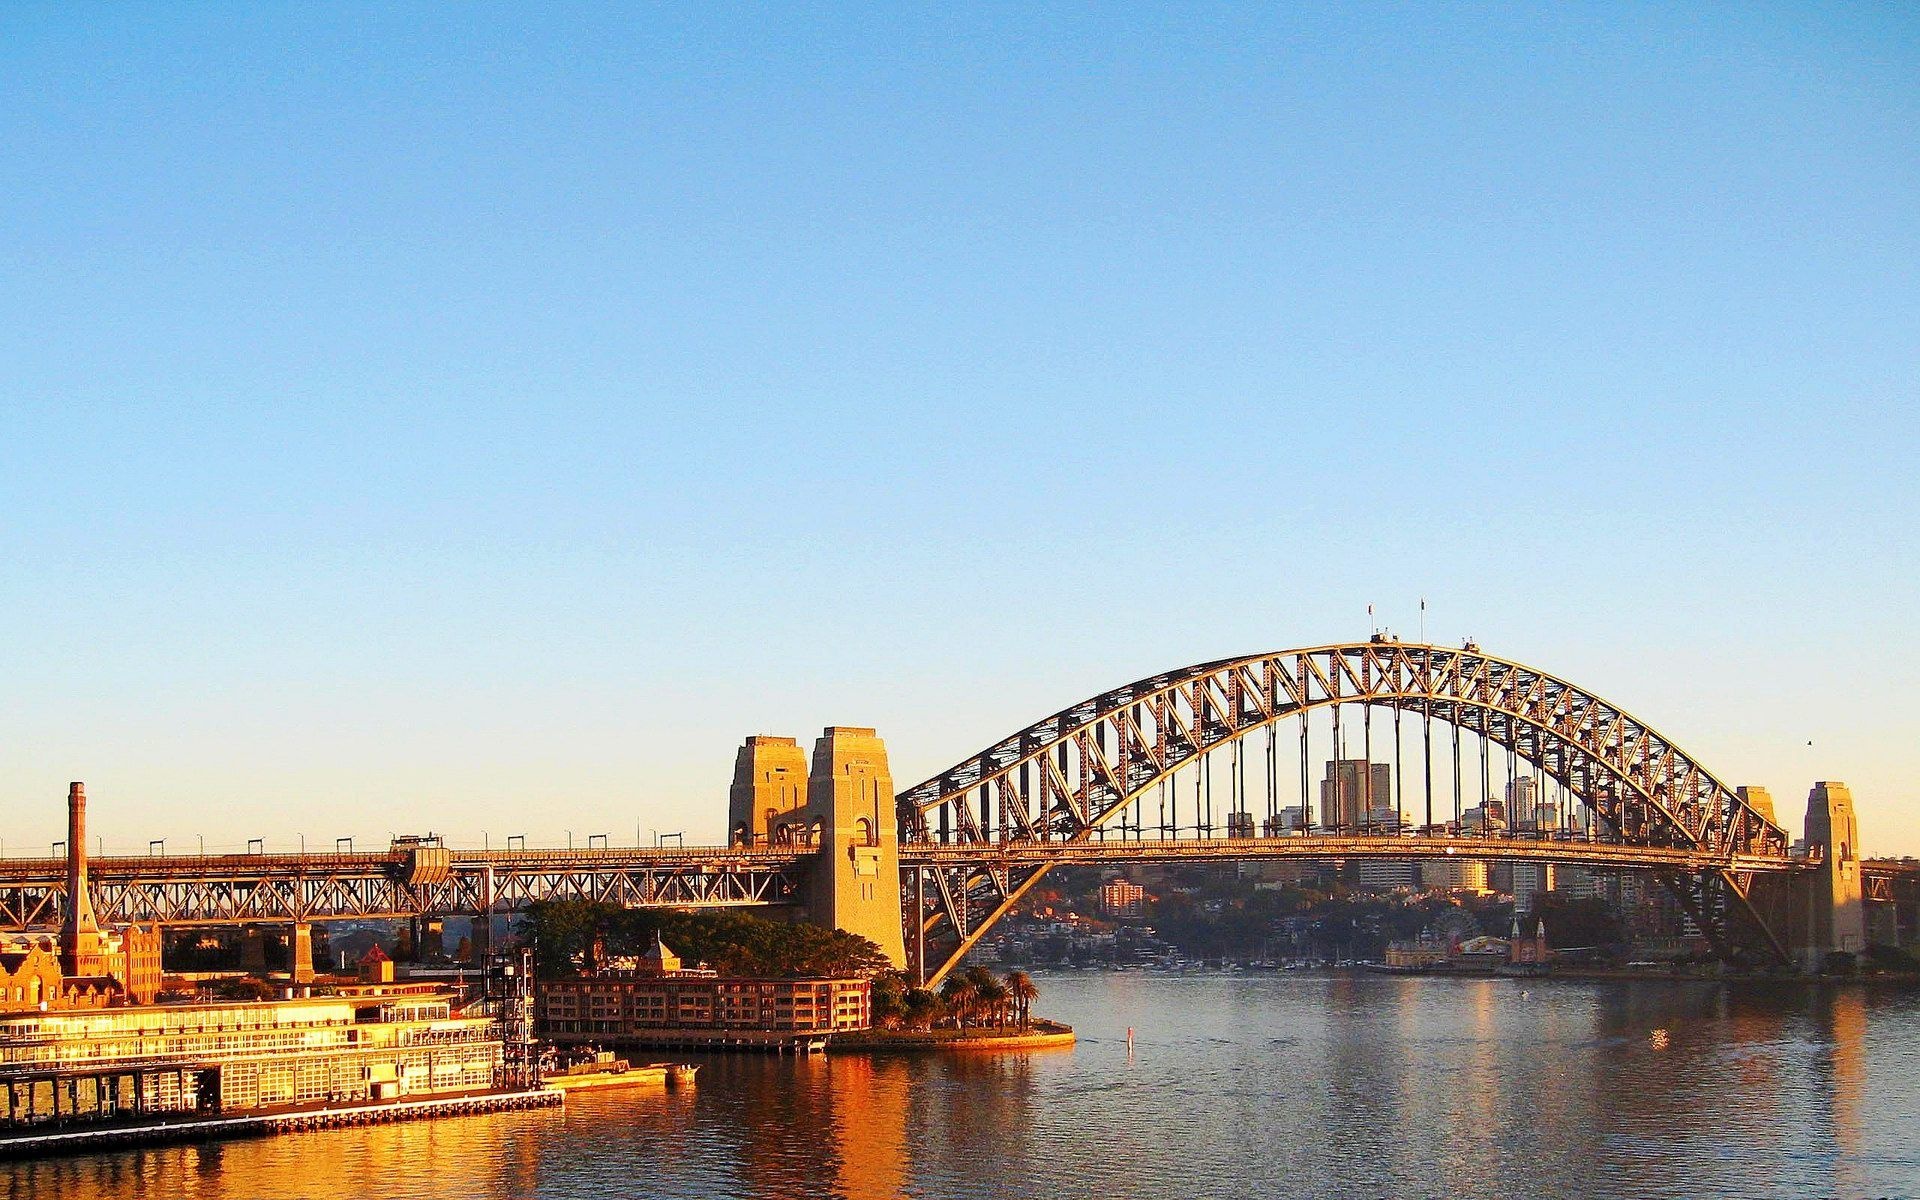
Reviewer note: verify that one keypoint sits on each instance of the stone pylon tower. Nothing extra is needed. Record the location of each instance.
(856, 882)
(1759, 799)
(769, 789)
(1833, 912)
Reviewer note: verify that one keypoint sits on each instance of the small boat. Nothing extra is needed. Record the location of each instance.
(606, 1071)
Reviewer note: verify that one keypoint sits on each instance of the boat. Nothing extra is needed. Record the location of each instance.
(604, 1070)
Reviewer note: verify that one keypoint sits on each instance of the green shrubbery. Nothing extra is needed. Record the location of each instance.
(732, 943)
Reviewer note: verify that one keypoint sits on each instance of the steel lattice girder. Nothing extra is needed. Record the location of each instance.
(1064, 777)
(234, 889)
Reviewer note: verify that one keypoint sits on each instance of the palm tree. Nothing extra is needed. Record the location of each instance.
(993, 1000)
(961, 997)
(1021, 990)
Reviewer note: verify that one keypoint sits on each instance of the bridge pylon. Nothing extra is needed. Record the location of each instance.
(855, 882)
(769, 790)
(1832, 909)
(1819, 911)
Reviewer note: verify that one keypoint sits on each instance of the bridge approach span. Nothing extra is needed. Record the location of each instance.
(227, 889)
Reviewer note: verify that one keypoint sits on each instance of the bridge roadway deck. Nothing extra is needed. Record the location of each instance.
(222, 889)
(1581, 851)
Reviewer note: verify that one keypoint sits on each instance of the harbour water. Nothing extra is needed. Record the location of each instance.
(1240, 1085)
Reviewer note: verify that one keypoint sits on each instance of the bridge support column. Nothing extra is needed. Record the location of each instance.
(856, 878)
(480, 939)
(1830, 909)
(300, 952)
(253, 950)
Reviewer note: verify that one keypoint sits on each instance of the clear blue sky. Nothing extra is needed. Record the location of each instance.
(478, 418)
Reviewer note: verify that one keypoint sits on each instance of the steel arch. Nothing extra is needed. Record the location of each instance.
(1066, 776)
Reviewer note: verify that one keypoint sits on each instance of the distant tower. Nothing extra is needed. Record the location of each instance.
(856, 884)
(769, 788)
(80, 933)
(1356, 792)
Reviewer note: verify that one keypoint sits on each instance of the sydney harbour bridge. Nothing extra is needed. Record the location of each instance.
(1208, 762)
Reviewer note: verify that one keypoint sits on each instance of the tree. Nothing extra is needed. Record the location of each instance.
(1573, 922)
(923, 1008)
(961, 998)
(732, 943)
(890, 999)
(1021, 990)
(993, 999)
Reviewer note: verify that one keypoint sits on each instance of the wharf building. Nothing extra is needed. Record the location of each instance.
(86, 966)
(661, 1002)
(367, 1042)
(82, 1041)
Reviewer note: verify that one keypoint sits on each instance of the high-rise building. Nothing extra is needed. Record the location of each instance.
(1119, 898)
(1529, 880)
(1454, 874)
(1579, 883)
(1352, 790)
(1384, 874)
(1523, 796)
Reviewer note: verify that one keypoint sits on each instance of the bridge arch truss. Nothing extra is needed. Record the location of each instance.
(1074, 776)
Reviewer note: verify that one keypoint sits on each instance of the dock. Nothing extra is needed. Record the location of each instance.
(205, 1129)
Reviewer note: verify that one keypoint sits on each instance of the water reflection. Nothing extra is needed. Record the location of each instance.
(1240, 1086)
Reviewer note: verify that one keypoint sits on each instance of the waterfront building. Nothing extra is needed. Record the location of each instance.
(660, 1001)
(87, 966)
(1530, 952)
(1423, 953)
(361, 1043)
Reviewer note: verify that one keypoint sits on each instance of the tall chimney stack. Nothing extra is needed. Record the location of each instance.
(80, 934)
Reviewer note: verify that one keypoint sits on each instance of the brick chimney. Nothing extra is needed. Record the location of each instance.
(80, 934)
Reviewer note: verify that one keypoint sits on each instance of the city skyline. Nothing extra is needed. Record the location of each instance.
(429, 421)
